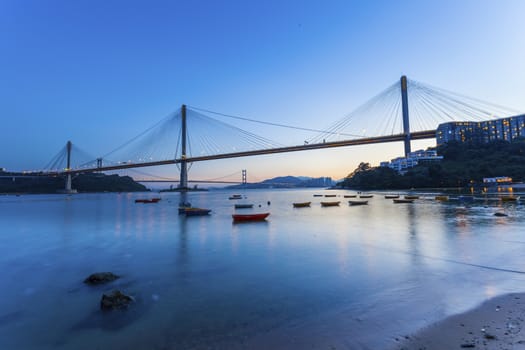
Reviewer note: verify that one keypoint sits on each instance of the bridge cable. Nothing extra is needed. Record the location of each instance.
(263, 122)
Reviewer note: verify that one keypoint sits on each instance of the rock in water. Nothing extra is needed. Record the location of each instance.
(115, 300)
(101, 277)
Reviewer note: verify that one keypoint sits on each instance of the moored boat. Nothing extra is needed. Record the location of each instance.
(405, 200)
(510, 198)
(442, 198)
(411, 197)
(391, 196)
(330, 195)
(183, 207)
(330, 204)
(235, 196)
(243, 206)
(318, 195)
(301, 204)
(357, 203)
(196, 211)
(366, 196)
(147, 200)
(249, 217)
(350, 195)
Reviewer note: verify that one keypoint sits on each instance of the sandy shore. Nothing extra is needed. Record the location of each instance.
(496, 324)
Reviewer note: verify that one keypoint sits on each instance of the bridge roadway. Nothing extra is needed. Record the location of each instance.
(193, 181)
(418, 135)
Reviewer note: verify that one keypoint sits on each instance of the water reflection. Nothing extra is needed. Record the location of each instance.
(182, 260)
(207, 282)
(413, 238)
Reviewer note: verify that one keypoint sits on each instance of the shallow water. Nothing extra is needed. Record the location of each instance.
(344, 277)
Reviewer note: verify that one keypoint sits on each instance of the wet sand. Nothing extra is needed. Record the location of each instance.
(496, 324)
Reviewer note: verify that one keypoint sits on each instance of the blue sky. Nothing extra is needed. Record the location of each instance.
(100, 72)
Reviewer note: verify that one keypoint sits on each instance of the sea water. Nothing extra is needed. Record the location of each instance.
(319, 277)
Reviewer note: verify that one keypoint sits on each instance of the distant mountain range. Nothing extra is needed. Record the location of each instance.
(290, 182)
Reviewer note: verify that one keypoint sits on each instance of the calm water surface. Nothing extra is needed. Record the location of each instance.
(343, 277)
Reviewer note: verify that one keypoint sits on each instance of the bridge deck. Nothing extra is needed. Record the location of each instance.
(419, 135)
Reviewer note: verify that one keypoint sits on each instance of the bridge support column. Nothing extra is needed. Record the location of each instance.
(404, 104)
(244, 177)
(68, 188)
(68, 183)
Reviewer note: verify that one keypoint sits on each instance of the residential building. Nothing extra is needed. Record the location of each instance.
(505, 129)
(401, 164)
(497, 180)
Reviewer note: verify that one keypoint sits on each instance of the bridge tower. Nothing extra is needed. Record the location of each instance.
(183, 185)
(183, 164)
(404, 104)
(244, 177)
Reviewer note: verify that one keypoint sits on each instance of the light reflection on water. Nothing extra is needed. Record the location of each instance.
(313, 276)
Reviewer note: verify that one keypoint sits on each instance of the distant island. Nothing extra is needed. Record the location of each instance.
(463, 165)
(288, 182)
(11, 182)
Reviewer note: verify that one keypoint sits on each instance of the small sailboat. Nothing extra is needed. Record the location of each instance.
(510, 198)
(352, 203)
(301, 204)
(196, 211)
(148, 200)
(411, 197)
(330, 204)
(401, 200)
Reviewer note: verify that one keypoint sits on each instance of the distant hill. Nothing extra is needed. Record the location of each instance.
(289, 182)
(94, 182)
(283, 180)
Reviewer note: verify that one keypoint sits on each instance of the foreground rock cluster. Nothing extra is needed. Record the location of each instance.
(100, 278)
(114, 300)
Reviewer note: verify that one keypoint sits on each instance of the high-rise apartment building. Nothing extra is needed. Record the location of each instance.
(505, 129)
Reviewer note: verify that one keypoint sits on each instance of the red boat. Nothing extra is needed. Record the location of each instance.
(249, 217)
(151, 200)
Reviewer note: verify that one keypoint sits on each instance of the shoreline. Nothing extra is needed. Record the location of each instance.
(495, 324)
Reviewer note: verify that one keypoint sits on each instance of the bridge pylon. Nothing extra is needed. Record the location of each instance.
(404, 104)
(183, 163)
(183, 184)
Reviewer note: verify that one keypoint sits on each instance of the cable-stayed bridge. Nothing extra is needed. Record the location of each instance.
(405, 111)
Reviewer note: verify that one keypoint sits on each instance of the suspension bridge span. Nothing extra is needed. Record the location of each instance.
(387, 117)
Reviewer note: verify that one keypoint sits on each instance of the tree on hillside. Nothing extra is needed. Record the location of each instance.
(463, 164)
